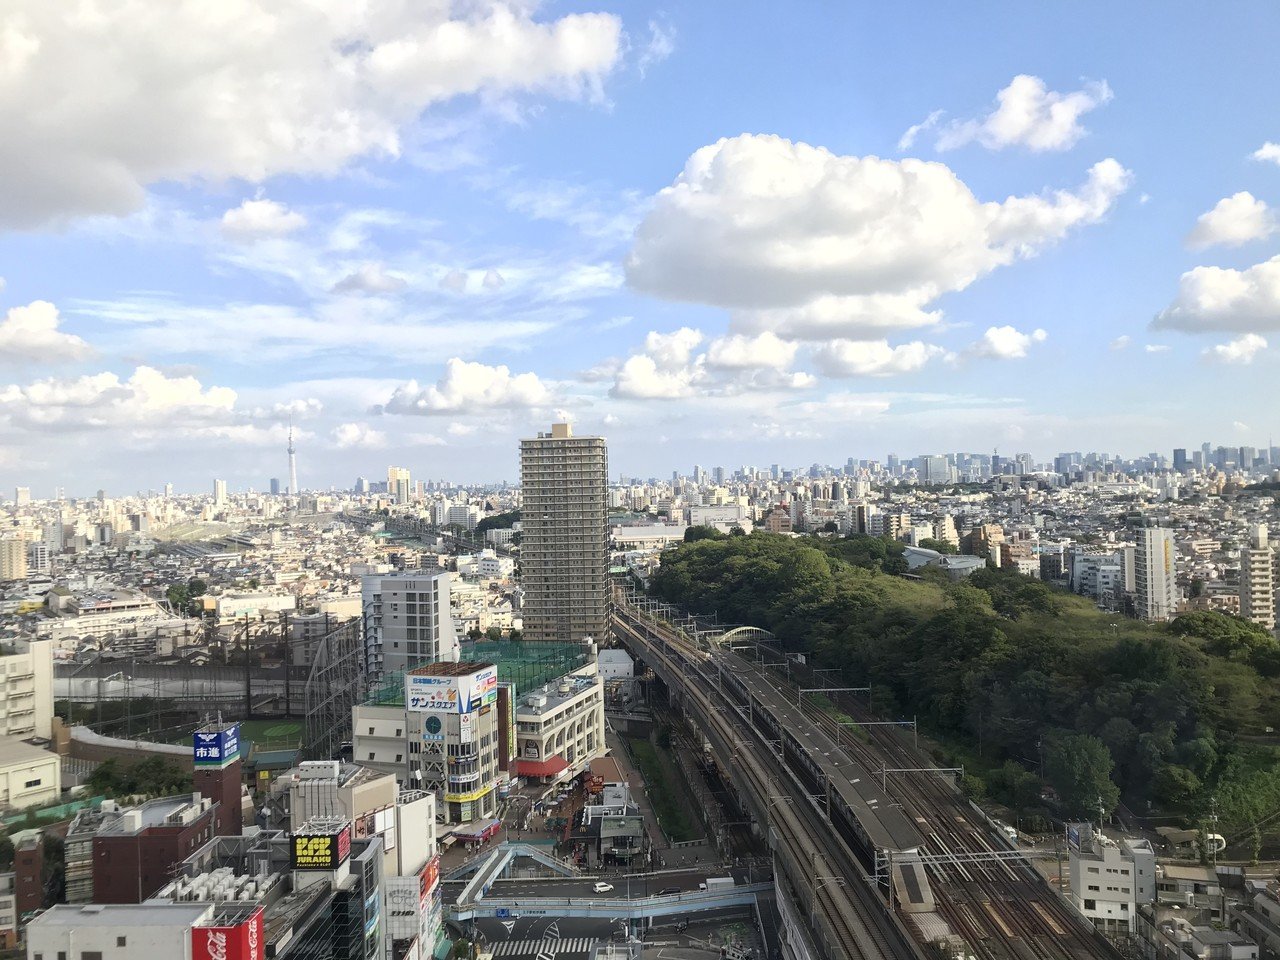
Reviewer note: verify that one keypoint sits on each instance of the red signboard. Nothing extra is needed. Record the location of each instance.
(240, 942)
(428, 878)
(344, 844)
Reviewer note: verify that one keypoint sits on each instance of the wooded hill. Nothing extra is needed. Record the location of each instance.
(1164, 714)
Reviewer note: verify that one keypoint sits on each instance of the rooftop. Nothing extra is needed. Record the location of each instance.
(447, 669)
(123, 915)
(526, 665)
(153, 813)
(13, 750)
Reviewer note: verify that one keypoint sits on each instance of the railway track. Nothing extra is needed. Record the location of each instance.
(1004, 909)
(843, 908)
(1023, 916)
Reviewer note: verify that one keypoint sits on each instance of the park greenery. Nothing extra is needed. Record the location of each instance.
(1031, 683)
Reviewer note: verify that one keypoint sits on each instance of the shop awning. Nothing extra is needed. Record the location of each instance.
(542, 768)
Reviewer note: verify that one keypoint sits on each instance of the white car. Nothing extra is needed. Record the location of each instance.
(602, 887)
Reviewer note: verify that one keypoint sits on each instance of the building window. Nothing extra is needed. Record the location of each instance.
(1091, 904)
(31, 783)
(120, 941)
(399, 757)
(370, 754)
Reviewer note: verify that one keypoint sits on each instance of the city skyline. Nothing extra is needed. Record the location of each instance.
(687, 235)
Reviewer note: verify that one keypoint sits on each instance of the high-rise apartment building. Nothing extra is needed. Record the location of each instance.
(407, 621)
(219, 492)
(13, 559)
(22, 496)
(565, 545)
(1155, 574)
(398, 483)
(1257, 579)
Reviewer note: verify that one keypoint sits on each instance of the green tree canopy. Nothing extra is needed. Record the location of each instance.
(1079, 767)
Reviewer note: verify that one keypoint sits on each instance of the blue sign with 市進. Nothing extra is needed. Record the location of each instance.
(216, 748)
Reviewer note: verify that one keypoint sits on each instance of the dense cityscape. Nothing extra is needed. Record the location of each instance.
(515, 480)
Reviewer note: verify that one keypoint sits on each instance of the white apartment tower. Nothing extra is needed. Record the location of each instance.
(1257, 579)
(1155, 574)
(407, 621)
(565, 541)
(219, 492)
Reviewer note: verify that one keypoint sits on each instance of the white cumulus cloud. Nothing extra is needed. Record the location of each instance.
(642, 378)
(1121, 342)
(30, 334)
(1242, 350)
(1223, 298)
(357, 436)
(1233, 221)
(261, 218)
(1269, 152)
(148, 397)
(1029, 114)
(185, 90)
(873, 358)
(813, 245)
(468, 387)
(1006, 343)
(738, 352)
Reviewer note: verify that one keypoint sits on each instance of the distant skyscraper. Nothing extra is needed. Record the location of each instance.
(168, 489)
(399, 485)
(565, 543)
(1257, 579)
(1155, 574)
(362, 485)
(219, 492)
(22, 495)
(275, 486)
(1180, 459)
(293, 463)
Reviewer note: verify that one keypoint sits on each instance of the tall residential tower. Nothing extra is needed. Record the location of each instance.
(1257, 579)
(564, 550)
(1155, 574)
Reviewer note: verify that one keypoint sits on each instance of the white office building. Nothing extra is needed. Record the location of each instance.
(407, 621)
(1110, 879)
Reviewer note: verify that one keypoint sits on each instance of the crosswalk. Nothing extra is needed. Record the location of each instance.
(566, 946)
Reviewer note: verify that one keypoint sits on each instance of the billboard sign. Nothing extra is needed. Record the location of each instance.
(321, 851)
(216, 748)
(244, 941)
(466, 728)
(427, 694)
(431, 694)
(427, 881)
(1073, 836)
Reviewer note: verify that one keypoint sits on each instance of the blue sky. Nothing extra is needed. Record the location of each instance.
(425, 230)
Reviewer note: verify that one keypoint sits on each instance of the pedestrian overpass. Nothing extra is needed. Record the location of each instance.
(596, 907)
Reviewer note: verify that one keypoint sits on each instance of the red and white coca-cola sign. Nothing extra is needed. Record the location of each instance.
(240, 942)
